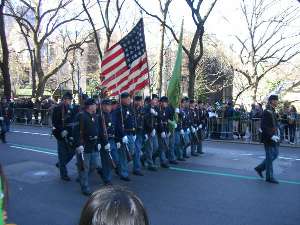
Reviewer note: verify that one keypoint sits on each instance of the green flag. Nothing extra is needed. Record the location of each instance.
(174, 91)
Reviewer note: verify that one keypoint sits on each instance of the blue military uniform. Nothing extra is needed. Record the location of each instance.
(186, 126)
(163, 132)
(194, 135)
(107, 139)
(151, 121)
(86, 133)
(123, 118)
(140, 137)
(62, 120)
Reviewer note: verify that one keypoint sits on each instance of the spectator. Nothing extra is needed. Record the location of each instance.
(292, 116)
(113, 205)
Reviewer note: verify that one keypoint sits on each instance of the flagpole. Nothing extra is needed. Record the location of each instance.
(149, 82)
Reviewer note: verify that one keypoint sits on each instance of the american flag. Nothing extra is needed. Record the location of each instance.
(124, 66)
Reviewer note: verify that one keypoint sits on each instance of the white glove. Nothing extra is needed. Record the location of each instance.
(146, 137)
(182, 132)
(177, 110)
(275, 138)
(134, 138)
(64, 133)
(153, 112)
(175, 126)
(1, 118)
(107, 147)
(193, 130)
(80, 149)
(163, 135)
(125, 140)
(200, 126)
(169, 134)
(188, 131)
(153, 133)
(118, 144)
(99, 147)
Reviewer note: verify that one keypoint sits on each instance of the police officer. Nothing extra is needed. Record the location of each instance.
(86, 142)
(123, 118)
(150, 126)
(270, 138)
(62, 120)
(140, 134)
(107, 140)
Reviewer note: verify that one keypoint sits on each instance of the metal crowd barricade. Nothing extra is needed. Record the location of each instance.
(248, 130)
(39, 117)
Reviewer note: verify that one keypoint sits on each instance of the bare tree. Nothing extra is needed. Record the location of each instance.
(4, 62)
(269, 42)
(164, 8)
(39, 25)
(195, 50)
(109, 23)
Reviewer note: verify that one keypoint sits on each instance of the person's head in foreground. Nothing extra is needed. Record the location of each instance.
(114, 205)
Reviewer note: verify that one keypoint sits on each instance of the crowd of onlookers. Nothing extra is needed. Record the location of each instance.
(224, 121)
(229, 122)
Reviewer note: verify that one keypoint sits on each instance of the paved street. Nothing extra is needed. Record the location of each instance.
(219, 187)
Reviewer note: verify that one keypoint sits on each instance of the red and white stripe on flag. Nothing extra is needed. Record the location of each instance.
(117, 76)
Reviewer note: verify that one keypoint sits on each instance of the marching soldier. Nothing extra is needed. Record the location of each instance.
(202, 115)
(86, 143)
(270, 138)
(186, 124)
(114, 104)
(107, 140)
(172, 125)
(123, 118)
(150, 126)
(62, 120)
(195, 121)
(163, 133)
(140, 134)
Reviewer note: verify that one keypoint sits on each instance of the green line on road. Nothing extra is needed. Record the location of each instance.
(228, 175)
(54, 152)
(33, 148)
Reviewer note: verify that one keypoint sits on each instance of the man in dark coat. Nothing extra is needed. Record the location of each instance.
(270, 138)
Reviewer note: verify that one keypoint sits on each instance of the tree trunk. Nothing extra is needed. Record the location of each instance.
(39, 71)
(192, 77)
(254, 94)
(161, 57)
(32, 57)
(4, 64)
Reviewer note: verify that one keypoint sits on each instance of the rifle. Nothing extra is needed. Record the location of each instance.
(183, 142)
(195, 138)
(128, 154)
(81, 157)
